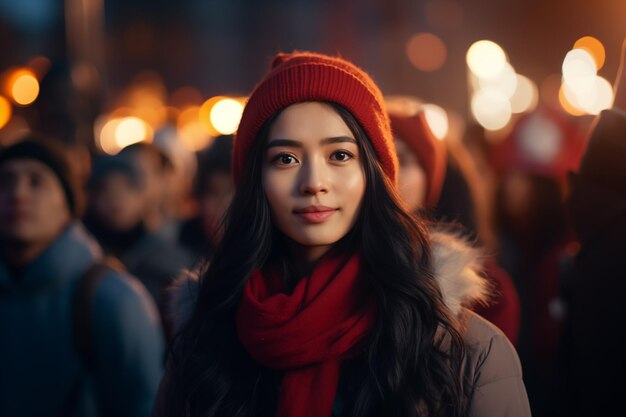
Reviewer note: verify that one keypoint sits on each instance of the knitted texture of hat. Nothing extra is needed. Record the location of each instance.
(431, 152)
(306, 76)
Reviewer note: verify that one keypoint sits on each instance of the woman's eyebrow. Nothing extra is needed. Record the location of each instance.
(284, 142)
(296, 144)
(339, 139)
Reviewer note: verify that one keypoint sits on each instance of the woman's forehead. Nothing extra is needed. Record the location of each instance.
(309, 121)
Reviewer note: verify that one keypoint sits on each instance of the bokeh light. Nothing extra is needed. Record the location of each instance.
(437, 120)
(567, 105)
(104, 131)
(526, 95)
(593, 100)
(6, 111)
(594, 47)
(427, 52)
(582, 90)
(132, 130)
(115, 133)
(485, 59)
(579, 70)
(192, 131)
(225, 115)
(204, 114)
(505, 82)
(491, 109)
(22, 86)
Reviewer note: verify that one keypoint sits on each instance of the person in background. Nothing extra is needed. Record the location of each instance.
(593, 358)
(46, 260)
(155, 169)
(116, 216)
(427, 176)
(537, 245)
(213, 191)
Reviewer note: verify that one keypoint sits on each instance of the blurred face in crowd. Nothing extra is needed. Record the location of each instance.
(412, 181)
(313, 176)
(33, 206)
(214, 201)
(155, 182)
(117, 202)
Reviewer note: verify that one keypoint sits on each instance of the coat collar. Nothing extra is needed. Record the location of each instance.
(67, 257)
(457, 266)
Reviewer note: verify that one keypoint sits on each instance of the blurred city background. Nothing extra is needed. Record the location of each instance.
(155, 59)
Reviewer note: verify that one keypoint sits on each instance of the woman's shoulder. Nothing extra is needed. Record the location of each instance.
(493, 367)
(489, 352)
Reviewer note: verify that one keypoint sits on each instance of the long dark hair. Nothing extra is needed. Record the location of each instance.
(412, 365)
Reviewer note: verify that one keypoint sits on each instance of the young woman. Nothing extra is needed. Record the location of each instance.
(322, 297)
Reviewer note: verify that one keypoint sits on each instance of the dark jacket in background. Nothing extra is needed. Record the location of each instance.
(594, 360)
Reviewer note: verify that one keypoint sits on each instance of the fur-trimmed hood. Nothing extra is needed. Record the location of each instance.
(457, 266)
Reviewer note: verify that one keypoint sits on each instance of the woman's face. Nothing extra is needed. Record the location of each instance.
(312, 176)
(412, 183)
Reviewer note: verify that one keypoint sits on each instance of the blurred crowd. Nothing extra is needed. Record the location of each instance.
(90, 242)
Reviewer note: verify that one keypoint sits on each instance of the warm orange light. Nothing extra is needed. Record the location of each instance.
(22, 86)
(567, 105)
(485, 59)
(115, 133)
(132, 130)
(594, 47)
(6, 111)
(204, 114)
(104, 131)
(437, 119)
(225, 115)
(427, 52)
(191, 130)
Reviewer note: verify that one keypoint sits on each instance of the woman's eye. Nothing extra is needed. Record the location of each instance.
(341, 156)
(284, 159)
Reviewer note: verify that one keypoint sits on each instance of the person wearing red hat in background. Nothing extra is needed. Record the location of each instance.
(324, 296)
(537, 245)
(593, 358)
(424, 170)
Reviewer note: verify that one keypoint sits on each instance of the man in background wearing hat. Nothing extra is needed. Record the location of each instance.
(66, 351)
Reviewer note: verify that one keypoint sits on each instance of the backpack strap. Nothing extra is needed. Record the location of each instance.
(82, 308)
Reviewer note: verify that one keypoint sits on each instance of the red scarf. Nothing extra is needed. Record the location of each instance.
(308, 333)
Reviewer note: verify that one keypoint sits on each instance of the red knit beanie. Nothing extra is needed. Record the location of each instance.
(413, 130)
(307, 76)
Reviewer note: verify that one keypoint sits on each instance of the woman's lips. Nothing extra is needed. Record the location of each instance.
(315, 214)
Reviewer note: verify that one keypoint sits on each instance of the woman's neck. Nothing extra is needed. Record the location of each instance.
(304, 258)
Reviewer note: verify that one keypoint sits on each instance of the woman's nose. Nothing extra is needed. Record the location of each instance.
(313, 178)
